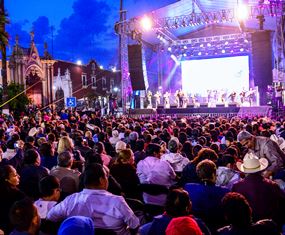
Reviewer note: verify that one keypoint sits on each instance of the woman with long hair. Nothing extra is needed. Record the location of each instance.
(65, 144)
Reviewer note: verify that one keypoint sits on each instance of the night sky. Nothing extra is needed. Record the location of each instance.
(83, 29)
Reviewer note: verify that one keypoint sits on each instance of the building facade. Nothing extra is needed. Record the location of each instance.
(48, 82)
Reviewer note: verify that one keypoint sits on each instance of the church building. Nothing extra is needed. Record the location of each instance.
(49, 81)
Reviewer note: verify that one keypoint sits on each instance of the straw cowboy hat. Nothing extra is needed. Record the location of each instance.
(252, 164)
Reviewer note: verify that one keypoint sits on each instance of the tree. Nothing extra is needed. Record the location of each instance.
(4, 39)
(19, 103)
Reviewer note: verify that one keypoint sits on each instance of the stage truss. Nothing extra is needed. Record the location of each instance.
(132, 28)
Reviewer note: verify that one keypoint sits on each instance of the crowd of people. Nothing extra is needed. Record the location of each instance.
(78, 173)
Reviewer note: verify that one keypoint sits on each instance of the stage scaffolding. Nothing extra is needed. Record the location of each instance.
(131, 28)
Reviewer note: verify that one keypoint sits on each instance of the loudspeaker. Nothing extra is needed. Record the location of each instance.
(160, 107)
(203, 105)
(261, 62)
(136, 68)
(173, 106)
(190, 105)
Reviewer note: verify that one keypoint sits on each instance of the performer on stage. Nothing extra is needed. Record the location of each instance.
(180, 98)
(185, 100)
(223, 96)
(149, 99)
(209, 94)
(157, 96)
(166, 97)
(232, 96)
(242, 96)
(177, 98)
(250, 96)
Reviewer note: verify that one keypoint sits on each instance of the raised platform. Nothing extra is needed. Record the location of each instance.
(204, 111)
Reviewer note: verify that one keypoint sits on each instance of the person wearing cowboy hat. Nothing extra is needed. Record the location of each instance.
(264, 195)
(264, 147)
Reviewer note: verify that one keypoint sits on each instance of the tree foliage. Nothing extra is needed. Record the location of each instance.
(19, 103)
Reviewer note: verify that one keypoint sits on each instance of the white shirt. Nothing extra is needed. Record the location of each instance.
(152, 170)
(176, 160)
(44, 207)
(105, 209)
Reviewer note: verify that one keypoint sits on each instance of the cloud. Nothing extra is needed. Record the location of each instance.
(87, 33)
(41, 29)
(17, 29)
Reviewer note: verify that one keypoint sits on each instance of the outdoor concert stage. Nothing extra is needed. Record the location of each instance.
(204, 111)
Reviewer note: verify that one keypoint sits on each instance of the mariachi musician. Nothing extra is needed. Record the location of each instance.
(166, 97)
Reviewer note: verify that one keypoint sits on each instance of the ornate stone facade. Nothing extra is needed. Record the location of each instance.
(48, 81)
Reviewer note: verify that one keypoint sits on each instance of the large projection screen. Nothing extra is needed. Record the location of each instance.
(227, 73)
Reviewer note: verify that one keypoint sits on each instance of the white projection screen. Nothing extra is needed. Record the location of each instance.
(227, 73)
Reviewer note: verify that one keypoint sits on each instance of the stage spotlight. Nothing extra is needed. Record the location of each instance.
(242, 12)
(184, 54)
(226, 43)
(209, 44)
(146, 23)
(223, 51)
(174, 58)
(116, 89)
(201, 45)
(185, 47)
(200, 53)
(169, 49)
(101, 67)
(79, 62)
(241, 50)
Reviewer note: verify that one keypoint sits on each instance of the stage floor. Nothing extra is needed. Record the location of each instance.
(205, 111)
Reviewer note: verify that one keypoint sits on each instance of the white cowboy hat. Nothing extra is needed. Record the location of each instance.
(252, 164)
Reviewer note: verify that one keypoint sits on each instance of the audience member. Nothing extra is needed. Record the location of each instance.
(24, 217)
(31, 174)
(265, 197)
(76, 225)
(176, 160)
(69, 178)
(108, 211)
(206, 196)
(124, 171)
(177, 204)
(9, 181)
(264, 147)
(153, 170)
(49, 195)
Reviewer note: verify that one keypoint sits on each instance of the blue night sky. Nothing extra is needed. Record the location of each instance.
(83, 29)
